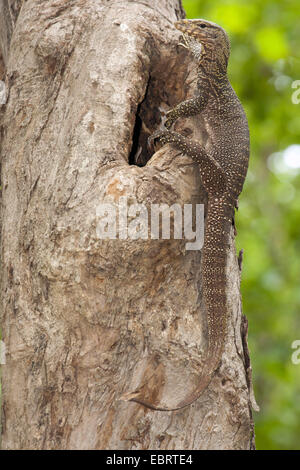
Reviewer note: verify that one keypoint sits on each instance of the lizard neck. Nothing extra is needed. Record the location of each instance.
(212, 74)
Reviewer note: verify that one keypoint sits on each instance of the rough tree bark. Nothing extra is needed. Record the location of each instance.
(85, 320)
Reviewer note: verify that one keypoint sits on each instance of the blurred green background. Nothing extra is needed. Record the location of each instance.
(263, 67)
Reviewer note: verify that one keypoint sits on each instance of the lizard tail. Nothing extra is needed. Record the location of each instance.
(213, 267)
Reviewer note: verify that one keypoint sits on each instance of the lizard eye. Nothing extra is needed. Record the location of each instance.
(202, 25)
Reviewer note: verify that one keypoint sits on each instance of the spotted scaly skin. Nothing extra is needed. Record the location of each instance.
(223, 164)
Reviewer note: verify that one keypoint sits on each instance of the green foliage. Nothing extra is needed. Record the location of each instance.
(263, 67)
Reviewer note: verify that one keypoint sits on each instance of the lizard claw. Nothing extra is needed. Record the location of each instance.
(151, 139)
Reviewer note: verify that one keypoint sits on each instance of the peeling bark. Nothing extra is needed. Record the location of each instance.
(85, 320)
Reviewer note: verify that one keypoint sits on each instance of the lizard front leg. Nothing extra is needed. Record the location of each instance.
(185, 109)
(212, 175)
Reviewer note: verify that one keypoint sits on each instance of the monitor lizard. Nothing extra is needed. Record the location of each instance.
(223, 163)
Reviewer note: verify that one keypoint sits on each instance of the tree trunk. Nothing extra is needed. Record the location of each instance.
(86, 320)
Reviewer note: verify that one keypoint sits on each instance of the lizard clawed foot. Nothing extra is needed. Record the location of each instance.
(160, 135)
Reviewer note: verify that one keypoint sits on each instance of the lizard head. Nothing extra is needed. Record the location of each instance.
(205, 38)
